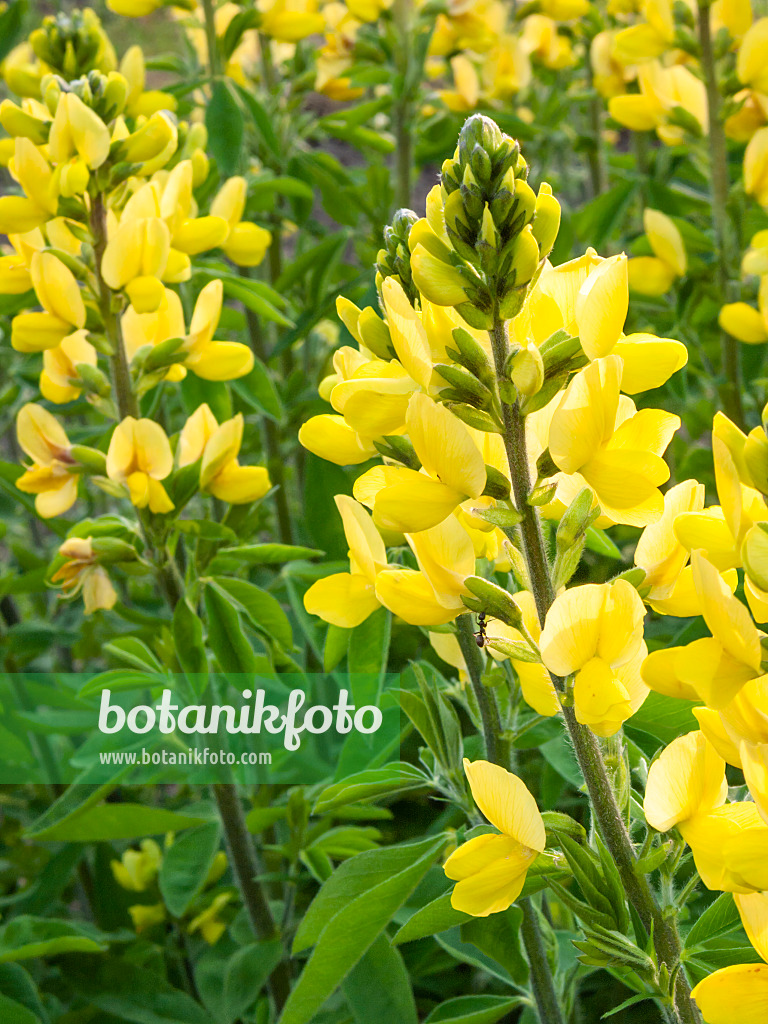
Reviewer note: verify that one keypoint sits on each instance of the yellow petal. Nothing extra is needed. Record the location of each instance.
(342, 599)
(727, 618)
(445, 446)
(507, 803)
(240, 485)
(410, 595)
(195, 435)
(660, 673)
(57, 289)
(600, 699)
(648, 361)
(221, 360)
(572, 629)
(586, 414)
(649, 275)
(407, 331)
(658, 551)
(222, 447)
(687, 779)
(753, 910)
(744, 986)
(40, 435)
(415, 505)
(446, 556)
(329, 437)
(366, 548)
(743, 322)
(754, 761)
(601, 306)
(666, 240)
(711, 724)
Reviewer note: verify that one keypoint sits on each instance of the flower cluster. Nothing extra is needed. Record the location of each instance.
(104, 231)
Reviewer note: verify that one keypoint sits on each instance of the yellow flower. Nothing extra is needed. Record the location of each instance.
(750, 60)
(662, 90)
(686, 780)
(331, 438)
(740, 987)
(144, 916)
(714, 668)
(59, 378)
(209, 359)
(452, 471)
(596, 631)
(654, 275)
(208, 923)
(142, 102)
(140, 457)
(81, 572)
(616, 451)
(20, 214)
(218, 446)
(78, 130)
(167, 321)
(246, 244)
(288, 21)
(490, 869)
(347, 598)
(740, 722)
(756, 167)
(754, 762)
(432, 595)
(135, 259)
(42, 438)
(535, 681)
(137, 869)
(658, 550)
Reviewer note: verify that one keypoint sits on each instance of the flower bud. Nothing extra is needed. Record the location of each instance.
(153, 138)
(493, 600)
(525, 257)
(754, 555)
(546, 221)
(496, 484)
(374, 333)
(437, 281)
(527, 371)
(91, 459)
(756, 459)
(579, 515)
(472, 356)
(18, 122)
(525, 203)
(464, 386)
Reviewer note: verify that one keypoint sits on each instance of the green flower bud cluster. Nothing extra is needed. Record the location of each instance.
(72, 44)
(394, 260)
(499, 229)
(106, 94)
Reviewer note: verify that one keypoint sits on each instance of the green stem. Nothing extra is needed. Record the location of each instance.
(595, 154)
(403, 111)
(496, 747)
(542, 982)
(271, 438)
(718, 178)
(245, 866)
(209, 15)
(608, 817)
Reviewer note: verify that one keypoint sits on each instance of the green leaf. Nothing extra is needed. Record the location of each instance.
(261, 554)
(352, 915)
(186, 865)
(117, 821)
(399, 777)
(599, 217)
(246, 974)
(133, 652)
(284, 186)
(261, 119)
(188, 639)
(632, 1001)
(720, 918)
(438, 916)
(205, 529)
(26, 937)
(498, 936)
(261, 607)
(369, 650)
(225, 634)
(378, 988)
(224, 122)
(77, 799)
(12, 1012)
(118, 680)
(599, 542)
(351, 879)
(259, 392)
(16, 984)
(473, 1010)
(336, 646)
(665, 718)
(134, 994)
(251, 297)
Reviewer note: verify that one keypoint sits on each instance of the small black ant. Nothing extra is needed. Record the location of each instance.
(480, 637)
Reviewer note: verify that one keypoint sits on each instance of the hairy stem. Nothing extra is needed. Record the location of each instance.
(245, 866)
(718, 178)
(496, 747)
(271, 438)
(608, 817)
(209, 13)
(403, 112)
(542, 982)
(497, 751)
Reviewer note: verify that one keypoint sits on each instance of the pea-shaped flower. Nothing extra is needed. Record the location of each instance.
(140, 457)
